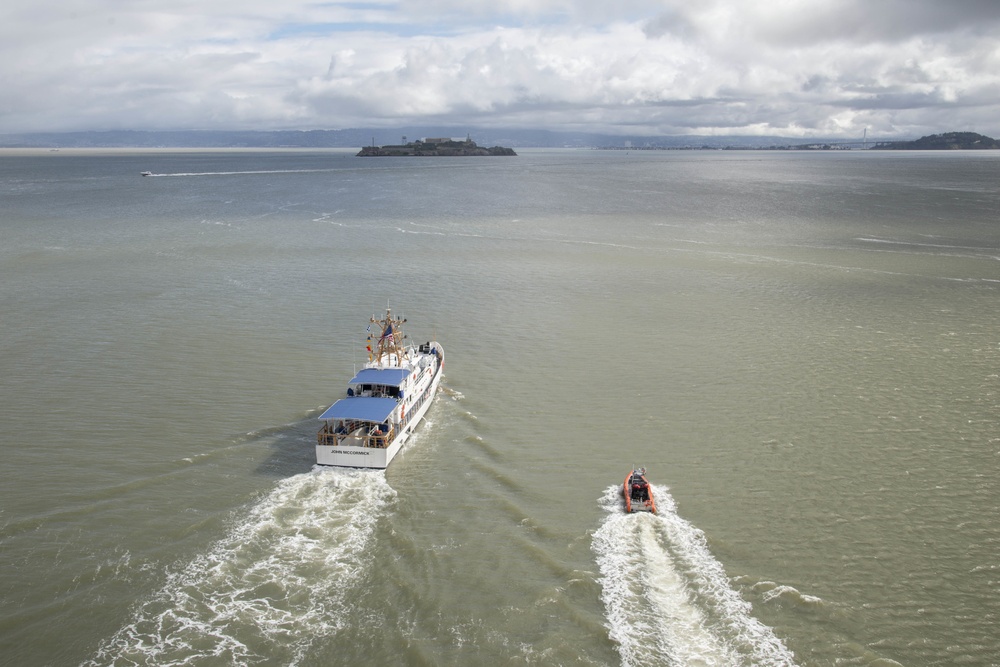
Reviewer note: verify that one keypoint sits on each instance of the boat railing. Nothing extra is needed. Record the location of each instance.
(331, 435)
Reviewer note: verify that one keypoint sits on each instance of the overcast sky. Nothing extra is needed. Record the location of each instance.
(654, 67)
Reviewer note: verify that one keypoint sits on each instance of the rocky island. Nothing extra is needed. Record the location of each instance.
(434, 148)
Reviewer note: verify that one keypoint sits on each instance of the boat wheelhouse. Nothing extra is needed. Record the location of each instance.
(385, 400)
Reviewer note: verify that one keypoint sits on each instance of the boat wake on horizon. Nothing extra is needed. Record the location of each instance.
(241, 173)
(667, 599)
(267, 590)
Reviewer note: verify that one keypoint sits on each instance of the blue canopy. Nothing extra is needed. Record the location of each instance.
(390, 377)
(361, 408)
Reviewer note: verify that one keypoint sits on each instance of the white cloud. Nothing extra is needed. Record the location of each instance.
(792, 67)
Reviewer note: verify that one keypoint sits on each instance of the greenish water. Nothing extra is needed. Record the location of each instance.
(802, 349)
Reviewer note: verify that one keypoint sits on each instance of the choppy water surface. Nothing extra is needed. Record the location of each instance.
(802, 349)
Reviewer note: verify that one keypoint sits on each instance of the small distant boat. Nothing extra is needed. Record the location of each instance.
(638, 492)
(385, 400)
(145, 173)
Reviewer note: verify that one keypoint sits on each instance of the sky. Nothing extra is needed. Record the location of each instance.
(794, 68)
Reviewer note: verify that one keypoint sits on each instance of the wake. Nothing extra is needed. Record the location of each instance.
(275, 583)
(668, 600)
(241, 173)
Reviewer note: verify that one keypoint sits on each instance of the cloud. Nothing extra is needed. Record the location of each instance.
(790, 67)
(865, 22)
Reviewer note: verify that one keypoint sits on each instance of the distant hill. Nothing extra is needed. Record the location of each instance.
(357, 138)
(949, 141)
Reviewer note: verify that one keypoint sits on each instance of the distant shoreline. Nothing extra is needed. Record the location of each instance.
(145, 150)
(949, 141)
(349, 141)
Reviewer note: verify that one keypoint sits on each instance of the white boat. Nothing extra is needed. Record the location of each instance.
(385, 401)
(145, 173)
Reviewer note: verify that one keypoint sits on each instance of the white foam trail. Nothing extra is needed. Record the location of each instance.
(923, 245)
(668, 600)
(267, 590)
(239, 173)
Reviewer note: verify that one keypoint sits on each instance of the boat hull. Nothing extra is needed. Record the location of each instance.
(638, 504)
(357, 457)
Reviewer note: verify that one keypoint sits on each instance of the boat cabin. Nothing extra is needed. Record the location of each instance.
(360, 421)
(379, 382)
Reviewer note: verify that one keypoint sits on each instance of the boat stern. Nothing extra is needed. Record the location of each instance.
(638, 492)
(352, 457)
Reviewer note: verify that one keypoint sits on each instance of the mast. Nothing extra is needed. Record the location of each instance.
(390, 340)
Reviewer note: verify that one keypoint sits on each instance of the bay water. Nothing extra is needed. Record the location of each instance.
(802, 348)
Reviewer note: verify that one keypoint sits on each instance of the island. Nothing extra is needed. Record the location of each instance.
(433, 147)
(949, 141)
